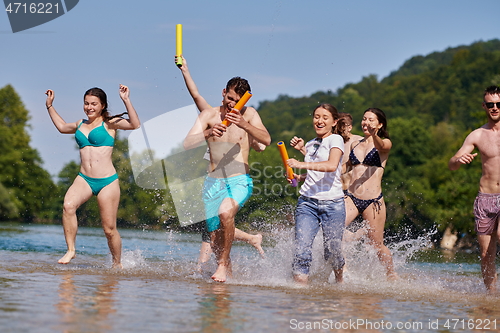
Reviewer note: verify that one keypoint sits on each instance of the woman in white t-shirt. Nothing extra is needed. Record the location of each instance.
(321, 201)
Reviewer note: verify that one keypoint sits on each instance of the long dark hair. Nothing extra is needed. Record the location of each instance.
(99, 93)
(339, 128)
(382, 132)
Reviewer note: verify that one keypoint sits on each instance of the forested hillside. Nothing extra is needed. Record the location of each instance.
(432, 103)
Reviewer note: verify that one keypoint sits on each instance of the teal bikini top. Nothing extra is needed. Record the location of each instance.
(98, 137)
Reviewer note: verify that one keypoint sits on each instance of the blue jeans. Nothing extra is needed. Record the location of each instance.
(310, 215)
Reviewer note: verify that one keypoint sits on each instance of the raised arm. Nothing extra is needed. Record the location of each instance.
(298, 143)
(133, 121)
(463, 155)
(382, 145)
(200, 102)
(61, 125)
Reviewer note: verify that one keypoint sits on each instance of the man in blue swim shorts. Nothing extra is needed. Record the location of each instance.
(487, 204)
(215, 190)
(228, 184)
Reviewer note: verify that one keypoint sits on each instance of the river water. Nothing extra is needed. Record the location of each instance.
(160, 290)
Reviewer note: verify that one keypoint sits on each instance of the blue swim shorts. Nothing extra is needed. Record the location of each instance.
(215, 190)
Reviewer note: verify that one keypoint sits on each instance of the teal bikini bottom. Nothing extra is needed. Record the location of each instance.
(97, 184)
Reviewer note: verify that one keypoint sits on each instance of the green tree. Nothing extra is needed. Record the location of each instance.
(8, 208)
(28, 186)
(273, 199)
(138, 206)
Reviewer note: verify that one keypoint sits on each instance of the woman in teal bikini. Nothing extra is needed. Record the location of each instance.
(95, 137)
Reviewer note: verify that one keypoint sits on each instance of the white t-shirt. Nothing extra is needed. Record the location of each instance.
(323, 185)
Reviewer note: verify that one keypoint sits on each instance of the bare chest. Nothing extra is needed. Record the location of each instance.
(233, 134)
(488, 144)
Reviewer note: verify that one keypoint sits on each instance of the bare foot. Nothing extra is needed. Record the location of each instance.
(222, 273)
(301, 279)
(117, 266)
(67, 257)
(491, 292)
(339, 275)
(393, 276)
(257, 243)
(492, 289)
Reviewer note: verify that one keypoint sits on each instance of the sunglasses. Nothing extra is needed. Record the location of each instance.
(491, 105)
(316, 146)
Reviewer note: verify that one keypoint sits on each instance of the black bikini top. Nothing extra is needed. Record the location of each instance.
(371, 159)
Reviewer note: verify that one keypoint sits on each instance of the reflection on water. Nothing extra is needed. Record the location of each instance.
(86, 309)
(158, 290)
(215, 309)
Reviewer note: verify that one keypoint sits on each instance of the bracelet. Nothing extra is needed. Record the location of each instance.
(48, 107)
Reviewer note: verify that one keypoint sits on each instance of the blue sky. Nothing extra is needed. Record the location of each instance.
(282, 47)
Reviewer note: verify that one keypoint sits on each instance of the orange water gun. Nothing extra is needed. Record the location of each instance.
(284, 158)
(241, 103)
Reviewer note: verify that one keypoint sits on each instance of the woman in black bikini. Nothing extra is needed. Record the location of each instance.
(364, 195)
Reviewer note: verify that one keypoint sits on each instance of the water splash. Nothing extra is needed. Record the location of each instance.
(148, 254)
(363, 272)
